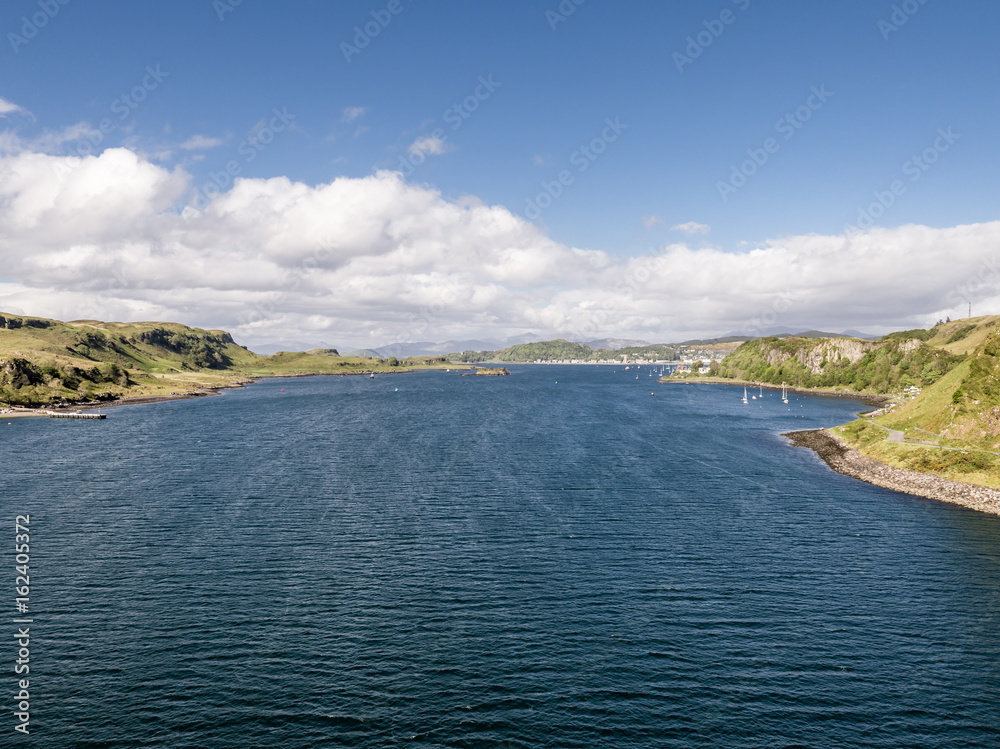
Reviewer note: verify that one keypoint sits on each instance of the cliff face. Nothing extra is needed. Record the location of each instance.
(13, 323)
(827, 350)
(19, 373)
(879, 366)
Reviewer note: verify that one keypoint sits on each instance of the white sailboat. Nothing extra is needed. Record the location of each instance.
(745, 394)
(784, 394)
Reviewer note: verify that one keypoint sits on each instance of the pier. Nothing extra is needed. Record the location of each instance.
(73, 415)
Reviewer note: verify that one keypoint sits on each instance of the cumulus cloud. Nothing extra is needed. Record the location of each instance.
(200, 143)
(691, 227)
(375, 259)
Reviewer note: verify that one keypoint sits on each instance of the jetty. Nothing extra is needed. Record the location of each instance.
(73, 415)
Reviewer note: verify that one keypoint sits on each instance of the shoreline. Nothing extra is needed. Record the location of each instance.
(201, 392)
(869, 399)
(844, 459)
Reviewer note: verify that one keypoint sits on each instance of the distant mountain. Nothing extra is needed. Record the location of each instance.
(366, 353)
(713, 341)
(817, 334)
(427, 348)
(785, 332)
(614, 343)
(267, 349)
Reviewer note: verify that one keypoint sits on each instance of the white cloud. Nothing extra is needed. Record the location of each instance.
(52, 141)
(651, 220)
(428, 144)
(9, 107)
(350, 114)
(692, 227)
(200, 143)
(376, 259)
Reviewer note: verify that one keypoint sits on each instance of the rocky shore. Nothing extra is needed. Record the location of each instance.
(844, 459)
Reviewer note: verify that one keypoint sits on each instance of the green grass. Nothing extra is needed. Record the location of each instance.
(45, 361)
(960, 411)
(861, 433)
(951, 337)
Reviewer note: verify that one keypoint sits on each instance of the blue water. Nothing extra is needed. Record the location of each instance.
(551, 559)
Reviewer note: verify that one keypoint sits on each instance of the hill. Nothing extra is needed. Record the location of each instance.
(49, 362)
(556, 350)
(951, 429)
(943, 383)
(889, 364)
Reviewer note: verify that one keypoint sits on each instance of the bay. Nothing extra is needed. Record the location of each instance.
(552, 559)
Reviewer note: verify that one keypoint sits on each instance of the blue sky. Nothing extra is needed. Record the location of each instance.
(557, 78)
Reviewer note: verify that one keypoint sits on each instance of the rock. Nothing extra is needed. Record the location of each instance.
(492, 371)
(844, 459)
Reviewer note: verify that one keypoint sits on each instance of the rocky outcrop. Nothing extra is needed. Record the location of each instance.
(492, 372)
(844, 459)
(13, 323)
(834, 350)
(19, 373)
(828, 349)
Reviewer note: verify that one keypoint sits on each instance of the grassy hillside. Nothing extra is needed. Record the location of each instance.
(952, 428)
(963, 408)
(44, 362)
(886, 365)
(528, 352)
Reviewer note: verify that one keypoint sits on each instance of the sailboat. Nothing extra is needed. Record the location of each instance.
(784, 394)
(745, 394)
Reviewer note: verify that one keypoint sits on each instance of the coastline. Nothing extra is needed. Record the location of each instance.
(846, 460)
(200, 392)
(869, 399)
(132, 400)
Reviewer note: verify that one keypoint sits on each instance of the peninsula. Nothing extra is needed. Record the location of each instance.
(937, 432)
(47, 363)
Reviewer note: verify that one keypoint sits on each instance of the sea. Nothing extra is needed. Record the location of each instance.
(569, 556)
